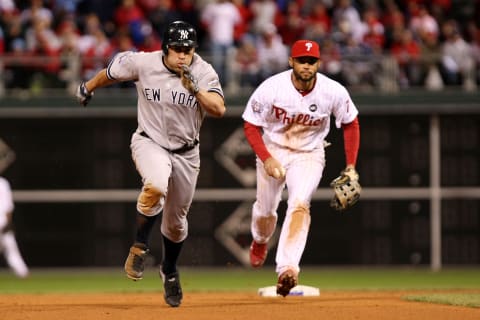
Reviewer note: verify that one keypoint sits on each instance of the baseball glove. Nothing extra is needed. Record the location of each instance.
(346, 189)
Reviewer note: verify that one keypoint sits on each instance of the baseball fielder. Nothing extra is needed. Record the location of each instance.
(286, 121)
(8, 243)
(176, 89)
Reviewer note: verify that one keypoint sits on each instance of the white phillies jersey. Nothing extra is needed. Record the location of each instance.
(294, 121)
(167, 112)
(6, 202)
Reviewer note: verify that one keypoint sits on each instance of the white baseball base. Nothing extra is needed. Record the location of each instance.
(299, 290)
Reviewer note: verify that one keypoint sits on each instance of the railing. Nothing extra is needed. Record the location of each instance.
(35, 75)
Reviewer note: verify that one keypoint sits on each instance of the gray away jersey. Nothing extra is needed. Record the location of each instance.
(167, 112)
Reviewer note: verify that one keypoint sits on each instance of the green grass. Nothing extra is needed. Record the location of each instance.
(241, 279)
(458, 299)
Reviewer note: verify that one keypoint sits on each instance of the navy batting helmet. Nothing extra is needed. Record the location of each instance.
(179, 34)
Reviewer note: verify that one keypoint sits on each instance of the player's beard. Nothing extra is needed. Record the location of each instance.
(303, 77)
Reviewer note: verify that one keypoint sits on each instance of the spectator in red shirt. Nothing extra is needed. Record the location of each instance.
(374, 35)
(97, 56)
(393, 20)
(291, 26)
(43, 41)
(243, 26)
(130, 17)
(127, 12)
(2, 42)
(319, 15)
(406, 52)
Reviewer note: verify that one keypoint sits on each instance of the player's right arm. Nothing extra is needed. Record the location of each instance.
(254, 117)
(99, 80)
(211, 102)
(254, 137)
(85, 89)
(121, 68)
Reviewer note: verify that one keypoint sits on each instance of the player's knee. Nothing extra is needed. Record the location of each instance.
(301, 211)
(175, 232)
(266, 226)
(300, 219)
(150, 200)
(260, 209)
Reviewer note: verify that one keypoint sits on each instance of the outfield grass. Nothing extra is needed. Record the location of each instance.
(241, 279)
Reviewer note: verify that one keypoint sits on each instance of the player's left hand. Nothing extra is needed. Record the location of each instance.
(188, 80)
(83, 95)
(346, 189)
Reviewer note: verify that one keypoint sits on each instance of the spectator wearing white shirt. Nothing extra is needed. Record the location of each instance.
(272, 53)
(220, 19)
(263, 14)
(347, 18)
(423, 24)
(457, 57)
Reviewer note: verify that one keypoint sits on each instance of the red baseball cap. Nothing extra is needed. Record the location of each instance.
(305, 48)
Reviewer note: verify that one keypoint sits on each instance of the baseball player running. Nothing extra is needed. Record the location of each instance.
(176, 89)
(286, 121)
(8, 243)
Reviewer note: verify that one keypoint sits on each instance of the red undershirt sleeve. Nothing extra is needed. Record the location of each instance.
(351, 138)
(254, 138)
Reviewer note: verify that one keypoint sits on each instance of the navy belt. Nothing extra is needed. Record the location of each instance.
(185, 148)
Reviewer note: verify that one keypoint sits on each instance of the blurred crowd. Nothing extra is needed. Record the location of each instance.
(436, 43)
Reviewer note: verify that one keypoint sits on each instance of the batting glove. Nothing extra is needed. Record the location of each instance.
(83, 95)
(188, 80)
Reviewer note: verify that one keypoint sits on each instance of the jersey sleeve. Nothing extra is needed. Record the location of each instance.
(351, 138)
(256, 106)
(344, 109)
(210, 81)
(123, 66)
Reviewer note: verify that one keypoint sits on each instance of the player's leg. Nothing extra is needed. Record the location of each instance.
(174, 226)
(154, 167)
(303, 176)
(264, 214)
(12, 254)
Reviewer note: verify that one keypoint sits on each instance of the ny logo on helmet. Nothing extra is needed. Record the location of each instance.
(183, 34)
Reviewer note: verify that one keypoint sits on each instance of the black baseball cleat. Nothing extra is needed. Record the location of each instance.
(172, 289)
(135, 263)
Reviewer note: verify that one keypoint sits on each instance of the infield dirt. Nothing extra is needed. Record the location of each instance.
(356, 305)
